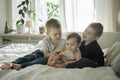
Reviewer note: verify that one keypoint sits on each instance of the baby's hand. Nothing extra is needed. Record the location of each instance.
(61, 53)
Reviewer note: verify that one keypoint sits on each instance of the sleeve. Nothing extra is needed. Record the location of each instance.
(38, 45)
(43, 44)
(98, 54)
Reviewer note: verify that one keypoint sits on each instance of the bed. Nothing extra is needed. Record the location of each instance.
(44, 72)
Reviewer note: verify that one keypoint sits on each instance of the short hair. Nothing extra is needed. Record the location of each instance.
(74, 35)
(52, 23)
(98, 27)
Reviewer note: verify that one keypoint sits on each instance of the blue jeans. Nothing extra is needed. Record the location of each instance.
(84, 62)
(36, 57)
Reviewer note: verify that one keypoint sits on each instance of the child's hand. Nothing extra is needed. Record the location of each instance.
(56, 51)
(56, 65)
(60, 49)
(61, 53)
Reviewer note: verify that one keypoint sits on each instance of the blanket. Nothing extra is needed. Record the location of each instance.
(44, 72)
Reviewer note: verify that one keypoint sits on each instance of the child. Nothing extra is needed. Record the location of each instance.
(49, 44)
(91, 52)
(70, 54)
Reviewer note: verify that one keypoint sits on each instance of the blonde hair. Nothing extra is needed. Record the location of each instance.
(98, 27)
(52, 23)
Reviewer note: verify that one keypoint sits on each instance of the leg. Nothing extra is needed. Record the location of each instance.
(84, 62)
(40, 60)
(29, 57)
(54, 60)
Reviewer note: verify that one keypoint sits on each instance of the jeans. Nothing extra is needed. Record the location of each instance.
(36, 57)
(84, 62)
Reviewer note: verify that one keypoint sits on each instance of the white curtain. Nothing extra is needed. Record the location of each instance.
(79, 13)
(118, 17)
(107, 14)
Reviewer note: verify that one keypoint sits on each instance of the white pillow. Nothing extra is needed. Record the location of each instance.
(105, 51)
(112, 52)
(116, 65)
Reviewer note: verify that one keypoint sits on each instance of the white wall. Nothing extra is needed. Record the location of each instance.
(3, 14)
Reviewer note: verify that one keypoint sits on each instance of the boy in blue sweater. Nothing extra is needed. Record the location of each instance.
(92, 55)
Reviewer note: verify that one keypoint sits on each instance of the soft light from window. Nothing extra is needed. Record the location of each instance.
(79, 13)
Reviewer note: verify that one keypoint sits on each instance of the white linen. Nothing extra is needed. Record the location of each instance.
(43, 72)
(14, 51)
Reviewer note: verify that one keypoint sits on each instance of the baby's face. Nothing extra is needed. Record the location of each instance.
(72, 44)
(54, 34)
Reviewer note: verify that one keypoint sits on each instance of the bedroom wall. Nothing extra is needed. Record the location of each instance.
(3, 14)
(118, 23)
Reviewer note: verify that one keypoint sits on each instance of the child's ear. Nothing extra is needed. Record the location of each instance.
(78, 45)
(97, 37)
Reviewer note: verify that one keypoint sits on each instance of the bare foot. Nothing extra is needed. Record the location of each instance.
(16, 66)
(6, 66)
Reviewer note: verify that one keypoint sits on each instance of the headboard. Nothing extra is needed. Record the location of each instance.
(106, 40)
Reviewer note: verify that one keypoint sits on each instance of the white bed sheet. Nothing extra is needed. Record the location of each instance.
(43, 72)
(14, 51)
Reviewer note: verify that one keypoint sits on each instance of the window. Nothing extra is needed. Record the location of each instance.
(44, 9)
(74, 15)
(14, 12)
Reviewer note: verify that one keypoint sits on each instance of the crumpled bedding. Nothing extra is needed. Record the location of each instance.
(14, 51)
(44, 72)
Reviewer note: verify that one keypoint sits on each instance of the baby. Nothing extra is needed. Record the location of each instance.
(69, 54)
